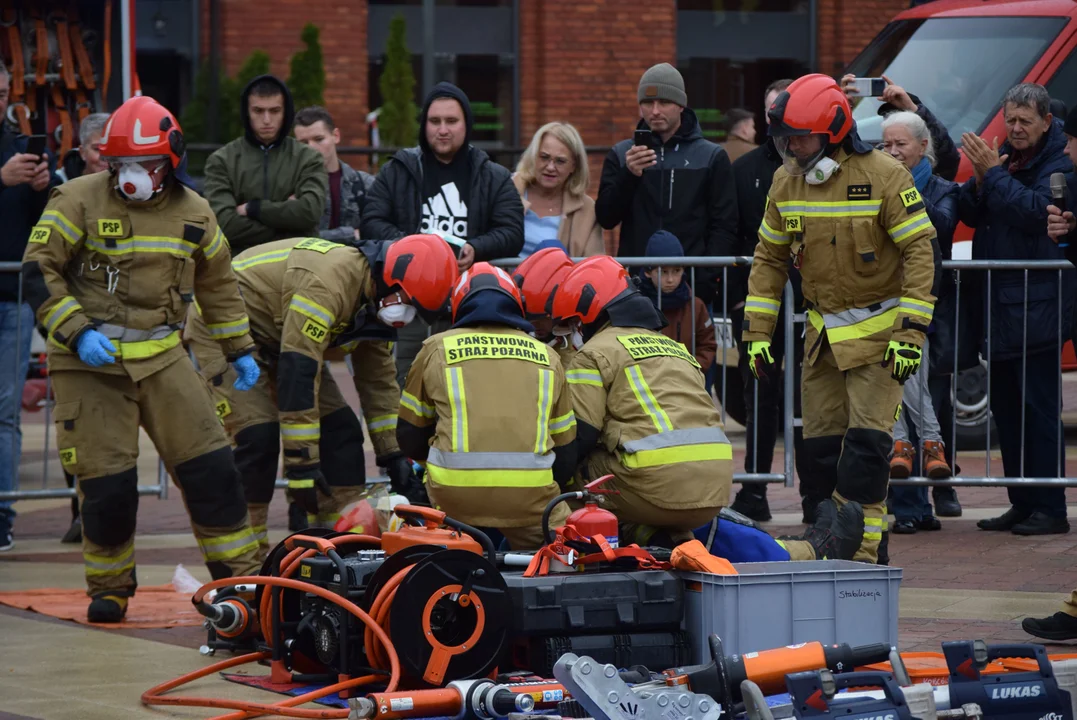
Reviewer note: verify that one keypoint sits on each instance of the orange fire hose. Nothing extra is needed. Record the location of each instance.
(377, 639)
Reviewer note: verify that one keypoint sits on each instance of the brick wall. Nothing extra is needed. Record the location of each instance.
(845, 27)
(248, 25)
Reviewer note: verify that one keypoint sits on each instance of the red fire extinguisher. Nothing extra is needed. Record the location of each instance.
(591, 520)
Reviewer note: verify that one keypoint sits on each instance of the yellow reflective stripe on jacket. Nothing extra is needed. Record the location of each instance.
(564, 423)
(261, 259)
(755, 303)
(381, 423)
(301, 431)
(62, 311)
(490, 469)
(306, 306)
(236, 328)
(873, 528)
(677, 446)
(410, 402)
(545, 393)
(227, 547)
(142, 243)
(816, 320)
(865, 328)
(300, 484)
(215, 245)
(144, 349)
(100, 565)
(841, 208)
(584, 377)
(771, 235)
(912, 306)
(646, 399)
(454, 383)
(58, 222)
(910, 227)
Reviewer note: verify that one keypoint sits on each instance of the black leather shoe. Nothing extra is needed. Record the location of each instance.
(929, 523)
(1005, 521)
(752, 505)
(1059, 626)
(946, 503)
(1041, 524)
(904, 527)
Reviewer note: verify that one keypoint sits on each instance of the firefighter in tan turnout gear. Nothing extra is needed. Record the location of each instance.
(486, 406)
(311, 300)
(109, 271)
(851, 218)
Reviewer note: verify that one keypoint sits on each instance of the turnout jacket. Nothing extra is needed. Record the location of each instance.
(494, 405)
(130, 270)
(863, 244)
(310, 300)
(644, 394)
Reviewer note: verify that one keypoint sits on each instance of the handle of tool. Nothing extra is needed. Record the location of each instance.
(870, 678)
(310, 543)
(417, 704)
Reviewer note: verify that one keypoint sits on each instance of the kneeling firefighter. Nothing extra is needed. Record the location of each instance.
(110, 270)
(644, 415)
(486, 406)
(310, 300)
(537, 277)
(854, 223)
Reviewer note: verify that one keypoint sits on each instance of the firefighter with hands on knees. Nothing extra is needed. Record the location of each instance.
(110, 270)
(312, 300)
(486, 407)
(538, 277)
(857, 228)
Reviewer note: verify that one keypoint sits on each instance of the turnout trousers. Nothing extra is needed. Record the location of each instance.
(849, 416)
(97, 417)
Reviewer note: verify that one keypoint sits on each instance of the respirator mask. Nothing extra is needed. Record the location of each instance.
(395, 312)
(571, 333)
(816, 168)
(135, 181)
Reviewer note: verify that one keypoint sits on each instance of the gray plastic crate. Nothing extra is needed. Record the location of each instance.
(773, 604)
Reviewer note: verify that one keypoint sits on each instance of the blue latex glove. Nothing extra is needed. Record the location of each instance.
(94, 349)
(248, 372)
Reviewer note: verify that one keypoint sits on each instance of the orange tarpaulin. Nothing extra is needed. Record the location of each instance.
(157, 606)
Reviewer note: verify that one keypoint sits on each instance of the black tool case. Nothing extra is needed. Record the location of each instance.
(653, 650)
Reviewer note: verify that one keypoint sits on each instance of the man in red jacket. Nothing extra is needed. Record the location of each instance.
(667, 287)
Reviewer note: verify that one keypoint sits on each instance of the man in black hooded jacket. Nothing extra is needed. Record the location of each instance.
(266, 185)
(445, 187)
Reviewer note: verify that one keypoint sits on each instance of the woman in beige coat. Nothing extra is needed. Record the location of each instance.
(552, 178)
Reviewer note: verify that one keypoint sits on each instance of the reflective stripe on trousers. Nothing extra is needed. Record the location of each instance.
(226, 547)
(490, 469)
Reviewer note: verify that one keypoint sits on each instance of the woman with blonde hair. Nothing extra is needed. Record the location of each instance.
(552, 178)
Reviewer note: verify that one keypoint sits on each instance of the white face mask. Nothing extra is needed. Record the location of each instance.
(821, 172)
(134, 181)
(397, 315)
(571, 334)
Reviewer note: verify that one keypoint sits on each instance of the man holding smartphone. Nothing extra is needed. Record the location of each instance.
(668, 177)
(25, 177)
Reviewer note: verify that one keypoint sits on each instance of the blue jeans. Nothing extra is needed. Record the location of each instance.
(16, 323)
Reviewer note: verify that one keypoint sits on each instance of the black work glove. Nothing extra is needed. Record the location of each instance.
(402, 479)
(305, 484)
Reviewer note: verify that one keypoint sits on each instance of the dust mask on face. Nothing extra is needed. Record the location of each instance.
(397, 315)
(572, 335)
(822, 171)
(135, 182)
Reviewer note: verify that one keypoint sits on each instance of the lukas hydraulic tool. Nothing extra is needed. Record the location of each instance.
(1008, 696)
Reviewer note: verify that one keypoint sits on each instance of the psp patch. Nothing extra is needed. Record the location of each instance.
(110, 228)
(315, 331)
(39, 234)
(69, 456)
(321, 246)
(912, 201)
(223, 409)
(794, 224)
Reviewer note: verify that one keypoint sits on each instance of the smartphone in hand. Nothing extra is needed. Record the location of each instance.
(869, 87)
(642, 137)
(36, 146)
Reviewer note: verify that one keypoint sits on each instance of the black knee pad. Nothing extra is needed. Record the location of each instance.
(210, 485)
(110, 508)
(864, 467)
(257, 456)
(341, 449)
(818, 466)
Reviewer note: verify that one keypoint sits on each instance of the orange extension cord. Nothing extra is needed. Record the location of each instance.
(380, 651)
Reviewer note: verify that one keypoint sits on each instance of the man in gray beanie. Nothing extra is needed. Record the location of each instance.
(671, 179)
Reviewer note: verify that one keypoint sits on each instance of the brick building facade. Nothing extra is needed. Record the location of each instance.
(578, 61)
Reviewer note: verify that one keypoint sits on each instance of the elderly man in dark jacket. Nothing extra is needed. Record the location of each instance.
(1006, 202)
(445, 187)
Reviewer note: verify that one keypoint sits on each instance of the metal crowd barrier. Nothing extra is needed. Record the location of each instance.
(721, 318)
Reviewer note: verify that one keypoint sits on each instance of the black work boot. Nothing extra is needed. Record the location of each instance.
(946, 502)
(1006, 521)
(1060, 626)
(107, 609)
(836, 534)
(752, 502)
